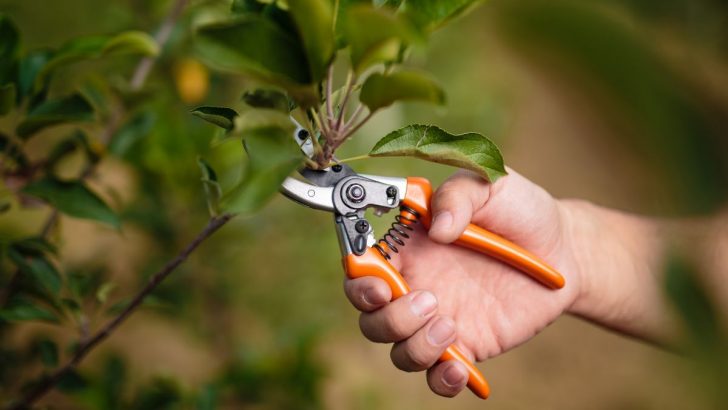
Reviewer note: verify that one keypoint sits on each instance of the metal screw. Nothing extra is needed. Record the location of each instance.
(302, 134)
(356, 193)
(337, 168)
(361, 226)
(392, 192)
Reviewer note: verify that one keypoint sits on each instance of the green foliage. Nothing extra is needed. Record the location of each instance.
(432, 14)
(19, 310)
(380, 91)
(73, 108)
(267, 98)
(213, 192)
(254, 45)
(7, 98)
(375, 46)
(470, 151)
(87, 48)
(223, 117)
(273, 155)
(137, 128)
(315, 22)
(73, 198)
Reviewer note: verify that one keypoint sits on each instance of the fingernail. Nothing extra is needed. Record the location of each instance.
(423, 304)
(372, 297)
(441, 331)
(453, 376)
(443, 220)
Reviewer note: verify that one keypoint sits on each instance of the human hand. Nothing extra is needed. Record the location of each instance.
(463, 297)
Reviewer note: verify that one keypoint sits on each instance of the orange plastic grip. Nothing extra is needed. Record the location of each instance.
(419, 193)
(372, 263)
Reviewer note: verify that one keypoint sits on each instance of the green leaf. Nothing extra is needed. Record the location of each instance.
(25, 310)
(30, 66)
(103, 292)
(48, 352)
(267, 98)
(431, 14)
(256, 46)
(72, 198)
(376, 36)
(213, 192)
(136, 129)
(131, 42)
(34, 246)
(42, 271)
(72, 108)
(223, 117)
(77, 140)
(470, 151)
(7, 98)
(315, 22)
(246, 6)
(86, 48)
(273, 155)
(11, 149)
(9, 46)
(380, 91)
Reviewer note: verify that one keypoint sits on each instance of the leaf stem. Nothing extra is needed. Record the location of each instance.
(350, 80)
(329, 81)
(356, 158)
(347, 125)
(357, 126)
(51, 381)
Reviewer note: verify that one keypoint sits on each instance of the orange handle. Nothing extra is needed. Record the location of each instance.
(372, 263)
(419, 193)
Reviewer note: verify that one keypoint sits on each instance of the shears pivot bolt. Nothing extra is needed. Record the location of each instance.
(356, 193)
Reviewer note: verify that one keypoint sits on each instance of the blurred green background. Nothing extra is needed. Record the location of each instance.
(623, 103)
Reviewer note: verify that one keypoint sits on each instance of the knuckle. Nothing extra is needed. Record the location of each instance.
(419, 358)
(393, 327)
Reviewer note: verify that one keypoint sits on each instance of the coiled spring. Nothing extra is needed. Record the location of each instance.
(396, 235)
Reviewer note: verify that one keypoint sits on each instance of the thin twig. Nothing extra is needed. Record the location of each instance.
(352, 119)
(350, 81)
(355, 129)
(162, 37)
(329, 80)
(50, 382)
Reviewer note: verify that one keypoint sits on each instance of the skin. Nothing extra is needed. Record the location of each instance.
(611, 262)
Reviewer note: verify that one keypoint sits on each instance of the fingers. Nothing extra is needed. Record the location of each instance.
(447, 378)
(421, 350)
(368, 293)
(454, 203)
(399, 319)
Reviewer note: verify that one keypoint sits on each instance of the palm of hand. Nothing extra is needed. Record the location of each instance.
(494, 306)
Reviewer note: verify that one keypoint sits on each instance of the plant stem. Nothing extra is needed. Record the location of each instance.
(356, 128)
(51, 381)
(329, 105)
(356, 158)
(350, 80)
(161, 37)
(347, 125)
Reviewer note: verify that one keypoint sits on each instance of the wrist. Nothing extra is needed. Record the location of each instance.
(617, 258)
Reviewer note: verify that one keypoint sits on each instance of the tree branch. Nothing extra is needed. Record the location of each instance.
(50, 382)
(162, 37)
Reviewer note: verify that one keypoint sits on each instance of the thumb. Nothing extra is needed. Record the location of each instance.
(453, 205)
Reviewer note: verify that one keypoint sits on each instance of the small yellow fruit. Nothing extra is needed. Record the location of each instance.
(192, 80)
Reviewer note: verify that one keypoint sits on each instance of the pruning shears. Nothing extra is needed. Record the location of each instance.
(347, 195)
